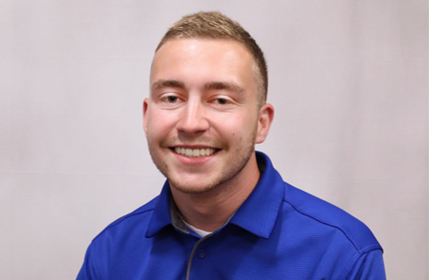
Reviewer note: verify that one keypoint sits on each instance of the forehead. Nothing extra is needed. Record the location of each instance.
(182, 44)
(204, 59)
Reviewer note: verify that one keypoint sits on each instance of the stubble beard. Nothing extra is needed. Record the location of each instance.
(228, 171)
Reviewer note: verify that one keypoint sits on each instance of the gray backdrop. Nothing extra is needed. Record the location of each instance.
(348, 79)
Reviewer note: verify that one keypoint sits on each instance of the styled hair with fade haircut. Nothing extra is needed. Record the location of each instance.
(215, 25)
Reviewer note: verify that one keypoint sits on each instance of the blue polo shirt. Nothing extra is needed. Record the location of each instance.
(279, 232)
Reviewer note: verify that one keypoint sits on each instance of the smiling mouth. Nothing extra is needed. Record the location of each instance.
(188, 152)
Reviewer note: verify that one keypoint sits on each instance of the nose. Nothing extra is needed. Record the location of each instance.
(193, 119)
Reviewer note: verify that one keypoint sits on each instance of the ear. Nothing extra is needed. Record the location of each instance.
(145, 111)
(265, 118)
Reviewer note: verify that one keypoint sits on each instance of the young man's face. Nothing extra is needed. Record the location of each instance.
(201, 119)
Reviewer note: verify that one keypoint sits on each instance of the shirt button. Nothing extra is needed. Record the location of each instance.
(201, 254)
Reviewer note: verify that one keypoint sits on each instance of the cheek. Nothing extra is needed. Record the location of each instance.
(159, 123)
(236, 127)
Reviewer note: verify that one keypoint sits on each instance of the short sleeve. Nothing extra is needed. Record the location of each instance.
(87, 271)
(369, 266)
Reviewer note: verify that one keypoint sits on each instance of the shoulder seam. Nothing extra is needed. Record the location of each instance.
(123, 218)
(338, 228)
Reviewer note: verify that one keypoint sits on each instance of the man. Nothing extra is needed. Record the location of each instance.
(224, 211)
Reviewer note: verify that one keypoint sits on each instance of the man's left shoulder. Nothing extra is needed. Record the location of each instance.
(326, 215)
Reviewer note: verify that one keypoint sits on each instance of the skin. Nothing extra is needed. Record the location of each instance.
(204, 94)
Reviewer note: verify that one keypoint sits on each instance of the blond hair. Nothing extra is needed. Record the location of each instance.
(215, 25)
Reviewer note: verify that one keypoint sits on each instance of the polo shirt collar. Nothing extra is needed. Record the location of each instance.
(257, 214)
(161, 214)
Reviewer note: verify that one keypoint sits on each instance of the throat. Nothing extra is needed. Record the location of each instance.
(200, 232)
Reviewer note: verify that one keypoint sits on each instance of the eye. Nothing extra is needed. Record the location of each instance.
(222, 101)
(171, 99)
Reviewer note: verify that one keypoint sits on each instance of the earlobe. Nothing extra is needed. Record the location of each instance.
(265, 119)
(145, 111)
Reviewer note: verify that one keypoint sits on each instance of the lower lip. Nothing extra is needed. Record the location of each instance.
(193, 160)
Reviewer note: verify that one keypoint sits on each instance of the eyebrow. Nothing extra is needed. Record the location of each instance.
(230, 86)
(224, 85)
(166, 83)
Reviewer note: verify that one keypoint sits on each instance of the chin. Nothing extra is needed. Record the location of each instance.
(190, 188)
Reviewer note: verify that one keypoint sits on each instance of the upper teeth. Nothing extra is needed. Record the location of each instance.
(194, 152)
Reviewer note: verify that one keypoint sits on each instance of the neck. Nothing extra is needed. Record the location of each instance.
(209, 211)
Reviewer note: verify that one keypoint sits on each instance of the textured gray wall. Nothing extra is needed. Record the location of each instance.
(348, 79)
